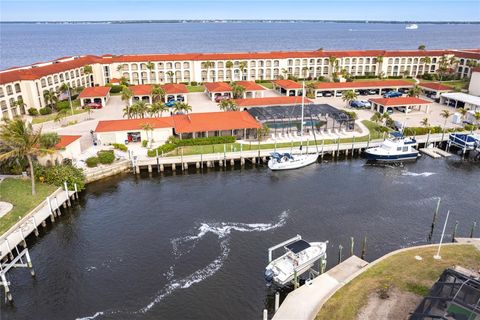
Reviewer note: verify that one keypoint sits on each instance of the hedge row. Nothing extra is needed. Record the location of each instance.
(202, 141)
(103, 157)
(120, 146)
(417, 131)
(173, 143)
(58, 174)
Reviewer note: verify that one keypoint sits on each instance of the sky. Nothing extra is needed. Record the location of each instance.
(91, 10)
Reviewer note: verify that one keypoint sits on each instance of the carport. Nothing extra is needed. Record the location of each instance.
(216, 89)
(460, 100)
(270, 101)
(175, 91)
(380, 86)
(433, 89)
(252, 89)
(409, 103)
(141, 92)
(287, 87)
(94, 95)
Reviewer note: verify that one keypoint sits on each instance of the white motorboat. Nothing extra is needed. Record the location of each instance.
(286, 161)
(300, 256)
(395, 148)
(411, 26)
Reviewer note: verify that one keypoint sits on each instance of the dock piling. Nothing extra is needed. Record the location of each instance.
(454, 231)
(364, 248)
(430, 235)
(351, 245)
(265, 314)
(277, 300)
(472, 231)
(340, 247)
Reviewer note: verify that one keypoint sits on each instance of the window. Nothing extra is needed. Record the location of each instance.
(17, 88)
(77, 73)
(1, 93)
(55, 78)
(50, 81)
(61, 76)
(43, 82)
(186, 65)
(9, 90)
(405, 149)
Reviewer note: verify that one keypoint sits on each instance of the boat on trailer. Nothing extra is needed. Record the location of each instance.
(465, 141)
(395, 148)
(286, 161)
(300, 257)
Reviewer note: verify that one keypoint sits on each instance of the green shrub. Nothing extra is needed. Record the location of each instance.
(116, 88)
(166, 148)
(202, 141)
(33, 112)
(58, 174)
(144, 143)
(62, 105)
(120, 147)
(106, 156)
(49, 140)
(470, 127)
(194, 83)
(92, 162)
(45, 111)
(417, 131)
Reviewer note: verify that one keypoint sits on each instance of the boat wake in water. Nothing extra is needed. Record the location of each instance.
(222, 231)
(413, 174)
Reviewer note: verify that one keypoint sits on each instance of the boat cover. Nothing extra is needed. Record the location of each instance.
(298, 246)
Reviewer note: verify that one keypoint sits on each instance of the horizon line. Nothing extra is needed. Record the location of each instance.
(245, 20)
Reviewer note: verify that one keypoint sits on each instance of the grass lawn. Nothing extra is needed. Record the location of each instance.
(267, 85)
(454, 83)
(19, 193)
(401, 271)
(195, 88)
(51, 117)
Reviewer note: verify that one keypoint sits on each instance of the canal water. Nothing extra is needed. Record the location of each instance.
(194, 246)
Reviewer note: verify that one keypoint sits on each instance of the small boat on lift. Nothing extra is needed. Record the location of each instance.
(395, 148)
(299, 258)
(466, 141)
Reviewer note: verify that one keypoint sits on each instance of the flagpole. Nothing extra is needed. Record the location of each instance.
(437, 256)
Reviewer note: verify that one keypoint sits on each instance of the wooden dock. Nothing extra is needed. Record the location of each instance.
(13, 246)
(211, 160)
(435, 152)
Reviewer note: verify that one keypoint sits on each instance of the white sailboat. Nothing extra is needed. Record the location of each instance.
(411, 26)
(300, 256)
(287, 161)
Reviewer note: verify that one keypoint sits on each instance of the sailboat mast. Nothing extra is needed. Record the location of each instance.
(303, 106)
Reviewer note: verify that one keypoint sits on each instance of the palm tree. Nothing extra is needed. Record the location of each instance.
(127, 94)
(89, 110)
(426, 60)
(414, 91)
(19, 103)
(348, 96)
(379, 62)
(227, 105)
(305, 72)
(158, 93)
(421, 47)
(463, 112)
(310, 88)
(445, 114)
(229, 65)
(476, 115)
(151, 67)
(377, 117)
(66, 88)
(61, 114)
(140, 108)
(21, 142)
(425, 123)
(181, 107)
(332, 61)
(238, 91)
(285, 73)
(170, 74)
(124, 81)
(207, 65)
(119, 67)
(50, 98)
(148, 128)
(87, 69)
(242, 66)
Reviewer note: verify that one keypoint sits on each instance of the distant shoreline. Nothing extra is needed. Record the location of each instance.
(236, 21)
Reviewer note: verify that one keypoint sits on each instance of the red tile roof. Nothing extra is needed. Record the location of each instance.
(133, 124)
(250, 85)
(114, 80)
(213, 121)
(287, 84)
(94, 92)
(400, 101)
(363, 84)
(175, 88)
(270, 101)
(217, 87)
(141, 89)
(435, 86)
(415, 53)
(65, 141)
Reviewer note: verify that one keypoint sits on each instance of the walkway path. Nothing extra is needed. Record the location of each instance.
(306, 301)
(5, 207)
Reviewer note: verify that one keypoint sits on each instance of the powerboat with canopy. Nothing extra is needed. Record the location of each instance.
(395, 148)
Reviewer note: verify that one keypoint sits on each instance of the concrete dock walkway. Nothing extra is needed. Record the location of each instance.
(306, 301)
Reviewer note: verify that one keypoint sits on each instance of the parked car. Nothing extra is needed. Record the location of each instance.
(327, 94)
(389, 110)
(93, 105)
(319, 94)
(356, 104)
(393, 94)
(170, 103)
(372, 91)
(219, 98)
(402, 109)
(366, 103)
(338, 94)
(363, 92)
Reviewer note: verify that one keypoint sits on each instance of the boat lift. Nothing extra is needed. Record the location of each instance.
(312, 273)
